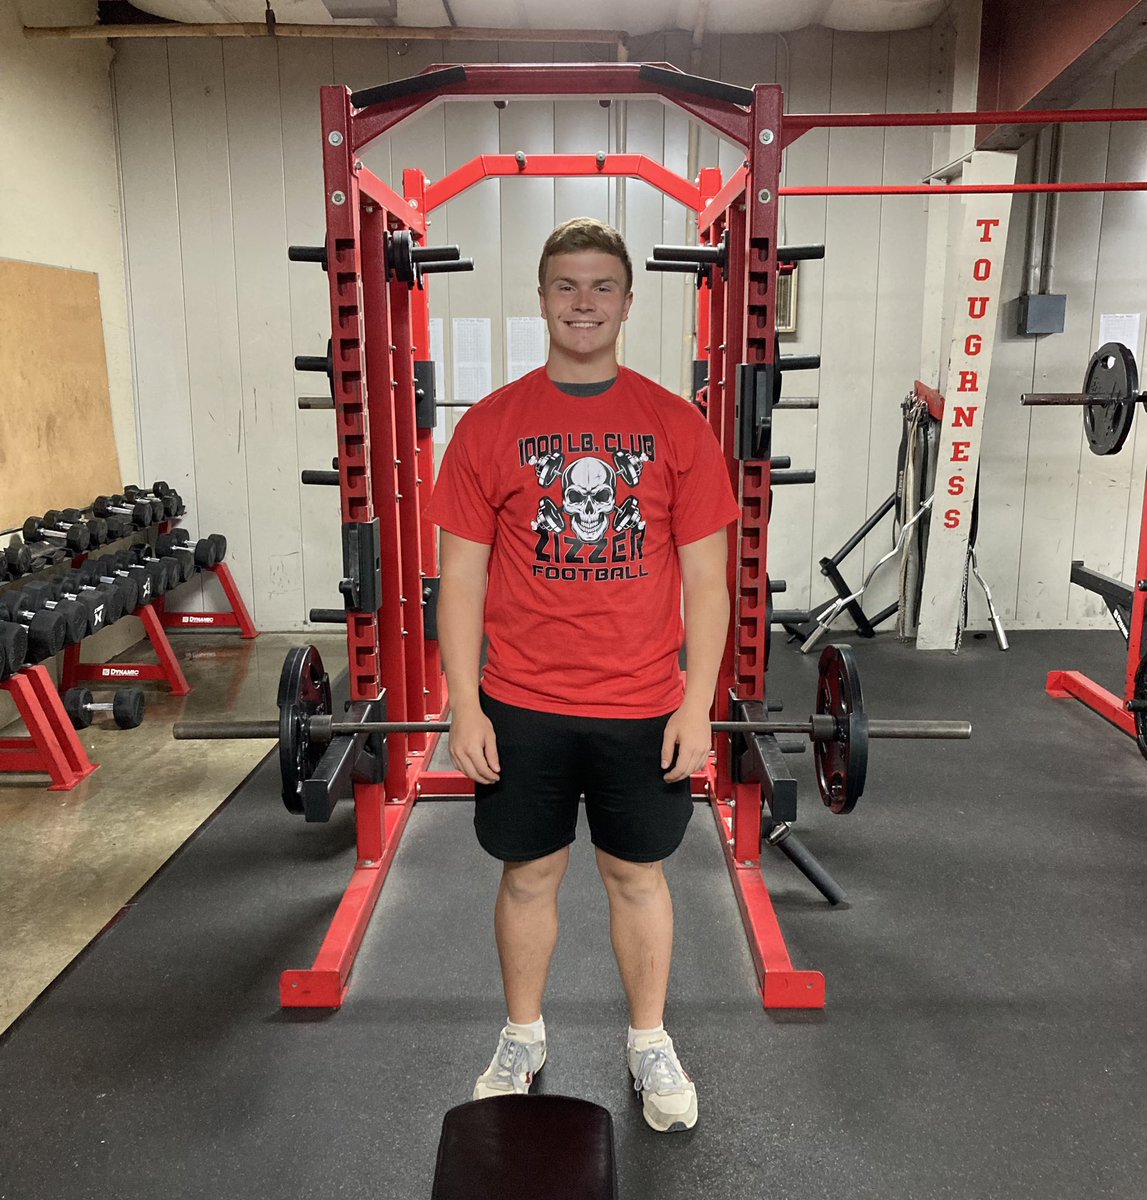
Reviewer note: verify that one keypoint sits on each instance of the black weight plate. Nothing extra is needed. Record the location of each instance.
(13, 645)
(76, 619)
(127, 707)
(77, 702)
(1113, 380)
(47, 633)
(304, 691)
(841, 762)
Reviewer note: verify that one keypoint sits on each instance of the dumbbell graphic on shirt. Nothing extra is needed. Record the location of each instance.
(589, 495)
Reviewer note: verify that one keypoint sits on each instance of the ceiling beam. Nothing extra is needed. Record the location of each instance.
(1051, 55)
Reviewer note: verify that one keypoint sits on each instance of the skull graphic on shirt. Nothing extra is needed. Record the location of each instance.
(589, 496)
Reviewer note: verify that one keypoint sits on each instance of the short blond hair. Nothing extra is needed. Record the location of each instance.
(585, 233)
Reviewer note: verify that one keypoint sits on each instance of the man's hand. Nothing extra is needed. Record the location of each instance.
(473, 746)
(687, 731)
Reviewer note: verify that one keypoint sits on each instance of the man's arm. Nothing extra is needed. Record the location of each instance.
(461, 603)
(706, 591)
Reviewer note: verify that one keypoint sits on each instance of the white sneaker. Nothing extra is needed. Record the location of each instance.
(513, 1067)
(668, 1095)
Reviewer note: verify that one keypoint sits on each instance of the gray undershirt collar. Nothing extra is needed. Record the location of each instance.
(584, 390)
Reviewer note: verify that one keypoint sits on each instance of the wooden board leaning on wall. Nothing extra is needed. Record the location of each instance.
(57, 446)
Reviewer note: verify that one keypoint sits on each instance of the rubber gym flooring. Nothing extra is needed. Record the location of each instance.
(985, 1034)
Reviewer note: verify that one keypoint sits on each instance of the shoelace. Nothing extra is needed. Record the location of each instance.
(659, 1071)
(513, 1061)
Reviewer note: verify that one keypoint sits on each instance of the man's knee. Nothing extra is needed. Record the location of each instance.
(538, 879)
(630, 881)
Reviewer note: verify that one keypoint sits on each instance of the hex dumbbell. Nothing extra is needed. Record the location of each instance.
(141, 513)
(13, 648)
(104, 570)
(126, 707)
(202, 556)
(166, 573)
(63, 519)
(104, 602)
(42, 595)
(172, 501)
(47, 629)
(74, 539)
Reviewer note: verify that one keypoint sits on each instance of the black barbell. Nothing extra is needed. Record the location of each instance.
(839, 729)
(1110, 390)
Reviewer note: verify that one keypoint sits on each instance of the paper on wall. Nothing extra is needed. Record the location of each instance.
(471, 359)
(438, 354)
(1120, 327)
(525, 345)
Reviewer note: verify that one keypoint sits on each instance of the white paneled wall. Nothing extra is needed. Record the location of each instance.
(220, 146)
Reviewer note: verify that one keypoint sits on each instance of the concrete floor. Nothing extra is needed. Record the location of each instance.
(71, 862)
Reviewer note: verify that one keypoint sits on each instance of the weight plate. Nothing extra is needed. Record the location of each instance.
(13, 646)
(842, 761)
(304, 691)
(77, 703)
(1141, 717)
(1113, 380)
(127, 707)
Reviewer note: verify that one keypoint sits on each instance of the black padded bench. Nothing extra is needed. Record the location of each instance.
(527, 1148)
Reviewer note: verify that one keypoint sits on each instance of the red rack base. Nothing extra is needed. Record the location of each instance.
(51, 744)
(1065, 685)
(238, 618)
(167, 670)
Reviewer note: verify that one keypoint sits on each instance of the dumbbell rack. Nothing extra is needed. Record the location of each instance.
(51, 744)
(237, 617)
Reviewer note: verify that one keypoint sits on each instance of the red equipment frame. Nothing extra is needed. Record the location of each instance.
(380, 325)
(52, 744)
(1064, 685)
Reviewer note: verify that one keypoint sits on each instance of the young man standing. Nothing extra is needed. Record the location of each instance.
(577, 505)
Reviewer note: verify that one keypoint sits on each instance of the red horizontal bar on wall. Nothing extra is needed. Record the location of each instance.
(637, 166)
(798, 123)
(963, 189)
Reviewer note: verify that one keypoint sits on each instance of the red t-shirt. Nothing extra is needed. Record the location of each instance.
(584, 501)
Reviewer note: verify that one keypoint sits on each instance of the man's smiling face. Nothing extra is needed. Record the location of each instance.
(584, 302)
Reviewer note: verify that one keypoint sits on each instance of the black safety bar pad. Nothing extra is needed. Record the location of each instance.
(788, 254)
(697, 84)
(410, 86)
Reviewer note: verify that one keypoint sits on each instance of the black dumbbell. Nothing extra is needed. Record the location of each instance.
(166, 573)
(103, 602)
(202, 556)
(13, 648)
(15, 561)
(104, 570)
(126, 707)
(154, 578)
(64, 518)
(217, 539)
(75, 538)
(47, 628)
(171, 500)
(42, 595)
(141, 513)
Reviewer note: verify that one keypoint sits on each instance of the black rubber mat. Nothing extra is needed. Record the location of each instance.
(985, 1033)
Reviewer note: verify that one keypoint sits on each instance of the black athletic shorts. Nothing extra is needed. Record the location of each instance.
(549, 760)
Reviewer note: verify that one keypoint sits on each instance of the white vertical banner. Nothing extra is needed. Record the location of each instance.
(979, 275)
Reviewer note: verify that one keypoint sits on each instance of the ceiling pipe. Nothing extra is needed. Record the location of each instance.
(249, 29)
